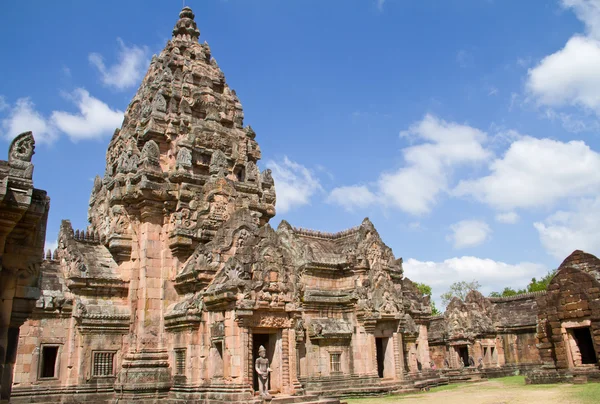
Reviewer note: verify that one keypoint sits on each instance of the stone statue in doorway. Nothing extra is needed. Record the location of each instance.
(262, 369)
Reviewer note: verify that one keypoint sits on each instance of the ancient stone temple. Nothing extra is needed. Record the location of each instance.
(485, 337)
(179, 279)
(568, 326)
(23, 216)
(551, 335)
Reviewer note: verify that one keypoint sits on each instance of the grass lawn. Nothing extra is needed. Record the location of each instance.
(510, 389)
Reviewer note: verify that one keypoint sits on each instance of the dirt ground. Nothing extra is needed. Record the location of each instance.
(488, 392)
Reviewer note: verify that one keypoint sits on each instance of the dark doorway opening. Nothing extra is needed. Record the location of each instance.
(48, 366)
(463, 353)
(380, 346)
(258, 340)
(585, 345)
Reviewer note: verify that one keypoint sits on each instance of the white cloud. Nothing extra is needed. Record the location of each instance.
(493, 275)
(469, 233)
(578, 229)
(570, 76)
(129, 69)
(416, 186)
(295, 184)
(351, 197)
(3, 104)
(587, 11)
(23, 117)
(536, 172)
(507, 217)
(94, 119)
(380, 4)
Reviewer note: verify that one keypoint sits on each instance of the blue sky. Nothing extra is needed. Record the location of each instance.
(466, 130)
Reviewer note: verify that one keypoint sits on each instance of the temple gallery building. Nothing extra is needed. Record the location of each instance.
(180, 289)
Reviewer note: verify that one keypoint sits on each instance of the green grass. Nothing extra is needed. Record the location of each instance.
(587, 393)
(398, 397)
(511, 380)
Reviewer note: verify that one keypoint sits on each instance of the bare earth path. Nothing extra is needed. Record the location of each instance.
(490, 392)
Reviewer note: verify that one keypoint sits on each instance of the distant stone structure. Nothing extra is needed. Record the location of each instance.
(180, 291)
(568, 323)
(551, 336)
(499, 332)
(23, 216)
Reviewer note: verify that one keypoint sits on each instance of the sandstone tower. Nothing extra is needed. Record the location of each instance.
(180, 167)
(179, 278)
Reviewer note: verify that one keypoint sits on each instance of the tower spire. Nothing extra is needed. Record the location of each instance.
(186, 28)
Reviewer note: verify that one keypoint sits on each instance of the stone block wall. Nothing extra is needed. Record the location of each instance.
(572, 301)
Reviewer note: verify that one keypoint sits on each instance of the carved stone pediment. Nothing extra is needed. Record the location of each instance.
(329, 328)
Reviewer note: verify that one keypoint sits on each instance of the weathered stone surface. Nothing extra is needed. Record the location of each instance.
(23, 216)
(179, 278)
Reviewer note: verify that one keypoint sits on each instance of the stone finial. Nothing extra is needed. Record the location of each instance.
(186, 28)
(22, 148)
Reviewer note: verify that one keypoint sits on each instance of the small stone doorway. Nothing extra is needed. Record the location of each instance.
(385, 357)
(582, 346)
(271, 340)
(463, 354)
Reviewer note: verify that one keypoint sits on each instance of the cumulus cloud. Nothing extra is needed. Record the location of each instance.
(351, 197)
(577, 229)
(23, 117)
(129, 69)
(469, 233)
(507, 217)
(93, 120)
(3, 103)
(587, 11)
(415, 187)
(493, 275)
(571, 76)
(295, 184)
(536, 172)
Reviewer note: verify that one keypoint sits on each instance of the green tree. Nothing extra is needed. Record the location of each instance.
(460, 290)
(508, 292)
(542, 284)
(426, 291)
(534, 286)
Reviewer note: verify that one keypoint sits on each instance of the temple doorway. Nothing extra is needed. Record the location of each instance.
(582, 350)
(272, 343)
(385, 357)
(463, 354)
(379, 342)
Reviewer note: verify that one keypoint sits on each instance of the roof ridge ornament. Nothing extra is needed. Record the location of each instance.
(186, 28)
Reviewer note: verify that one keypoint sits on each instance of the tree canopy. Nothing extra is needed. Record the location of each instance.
(426, 291)
(460, 290)
(533, 286)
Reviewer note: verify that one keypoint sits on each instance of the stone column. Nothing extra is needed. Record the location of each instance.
(7, 293)
(372, 348)
(146, 365)
(250, 367)
(285, 360)
(398, 355)
(411, 351)
(9, 363)
(424, 347)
